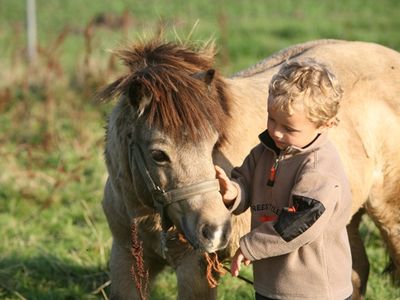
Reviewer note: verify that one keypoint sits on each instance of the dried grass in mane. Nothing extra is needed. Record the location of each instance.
(163, 86)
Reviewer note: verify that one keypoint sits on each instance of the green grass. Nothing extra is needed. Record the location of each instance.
(55, 240)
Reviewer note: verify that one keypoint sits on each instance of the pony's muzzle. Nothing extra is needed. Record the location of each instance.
(214, 237)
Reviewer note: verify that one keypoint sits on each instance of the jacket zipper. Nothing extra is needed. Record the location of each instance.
(274, 169)
(271, 182)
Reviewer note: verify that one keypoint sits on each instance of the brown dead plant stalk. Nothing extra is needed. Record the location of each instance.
(214, 269)
(139, 272)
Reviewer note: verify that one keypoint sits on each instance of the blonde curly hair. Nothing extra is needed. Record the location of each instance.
(308, 83)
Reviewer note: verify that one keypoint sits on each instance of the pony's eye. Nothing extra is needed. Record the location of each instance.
(159, 156)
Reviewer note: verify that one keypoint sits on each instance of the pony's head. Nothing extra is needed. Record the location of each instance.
(175, 111)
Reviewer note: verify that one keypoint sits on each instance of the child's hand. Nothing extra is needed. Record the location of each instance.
(227, 189)
(237, 259)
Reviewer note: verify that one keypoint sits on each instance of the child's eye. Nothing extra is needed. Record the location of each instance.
(288, 129)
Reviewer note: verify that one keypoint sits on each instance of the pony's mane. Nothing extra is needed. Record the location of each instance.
(163, 86)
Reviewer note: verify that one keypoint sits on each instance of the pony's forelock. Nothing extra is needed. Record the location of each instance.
(163, 74)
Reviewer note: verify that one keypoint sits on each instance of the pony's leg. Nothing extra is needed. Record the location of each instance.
(191, 279)
(122, 285)
(359, 257)
(383, 208)
(122, 282)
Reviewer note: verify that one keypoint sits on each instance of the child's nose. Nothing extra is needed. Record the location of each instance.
(277, 134)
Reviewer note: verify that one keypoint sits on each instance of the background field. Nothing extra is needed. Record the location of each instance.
(54, 238)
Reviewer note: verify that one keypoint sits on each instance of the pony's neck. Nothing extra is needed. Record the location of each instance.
(248, 106)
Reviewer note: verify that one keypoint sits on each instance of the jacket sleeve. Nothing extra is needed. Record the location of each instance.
(316, 196)
(242, 178)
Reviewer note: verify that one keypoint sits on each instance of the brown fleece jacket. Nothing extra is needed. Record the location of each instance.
(298, 242)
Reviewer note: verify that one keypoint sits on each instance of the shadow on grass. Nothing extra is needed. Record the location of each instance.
(48, 277)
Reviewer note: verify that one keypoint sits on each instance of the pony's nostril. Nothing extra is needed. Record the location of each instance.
(207, 231)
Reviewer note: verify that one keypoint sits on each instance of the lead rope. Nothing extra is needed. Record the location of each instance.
(239, 276)
(140, 274)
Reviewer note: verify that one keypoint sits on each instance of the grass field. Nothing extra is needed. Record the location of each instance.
(55, 241)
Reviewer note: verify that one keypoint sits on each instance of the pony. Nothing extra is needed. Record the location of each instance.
(177, 117)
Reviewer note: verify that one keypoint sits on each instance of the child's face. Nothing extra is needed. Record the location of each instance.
(291, 130)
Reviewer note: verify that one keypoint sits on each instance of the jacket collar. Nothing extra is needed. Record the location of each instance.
(269, 143)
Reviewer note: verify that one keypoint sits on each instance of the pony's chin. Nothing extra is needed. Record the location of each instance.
(211, 249)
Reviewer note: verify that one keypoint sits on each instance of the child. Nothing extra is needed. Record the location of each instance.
(297, 190)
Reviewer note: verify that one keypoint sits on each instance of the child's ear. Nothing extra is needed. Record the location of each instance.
(329, 124)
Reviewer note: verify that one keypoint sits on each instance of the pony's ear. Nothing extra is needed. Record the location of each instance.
(138, 97)
(206, 76)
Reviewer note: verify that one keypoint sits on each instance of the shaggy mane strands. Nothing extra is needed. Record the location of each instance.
(162, 88)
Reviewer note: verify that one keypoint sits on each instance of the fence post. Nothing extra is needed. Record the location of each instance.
(31, 31)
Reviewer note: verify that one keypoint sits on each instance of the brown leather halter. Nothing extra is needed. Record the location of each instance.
(162, 198)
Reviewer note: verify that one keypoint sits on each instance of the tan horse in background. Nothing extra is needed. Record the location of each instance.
(176, 118)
